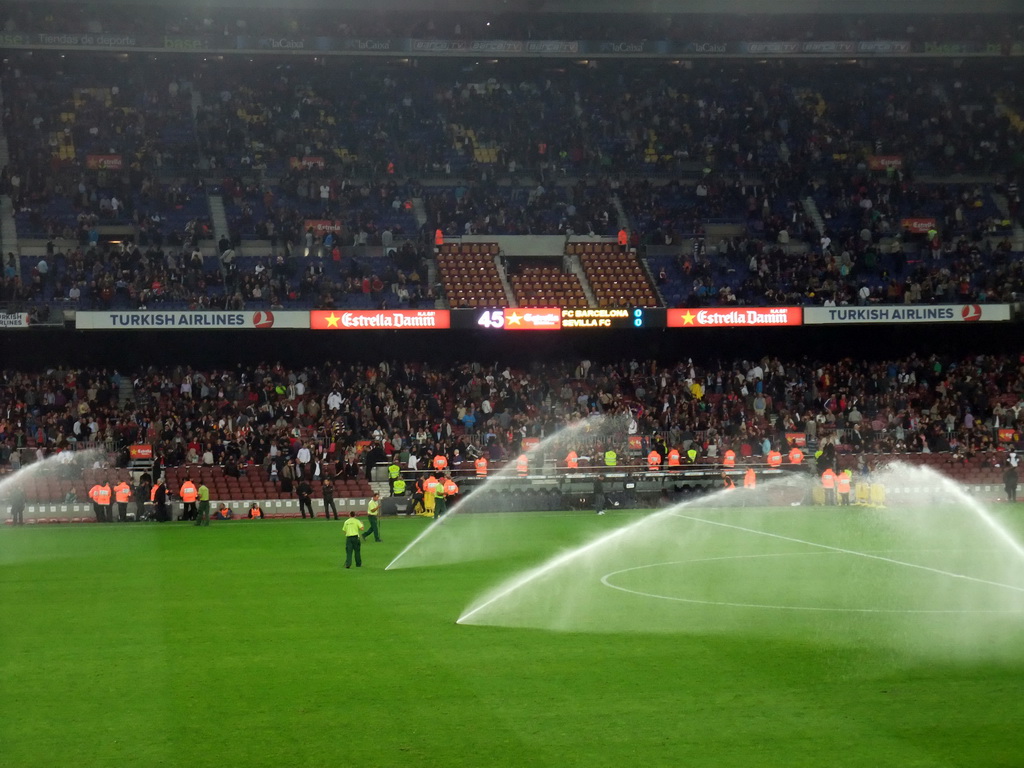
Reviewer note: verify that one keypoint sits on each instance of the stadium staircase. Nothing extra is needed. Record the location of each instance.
(811, 209)
(506, 286)
(1004, 208)
(621, 218)
(575, 266)
(8, 226)
(419, 210)
(126, 392)
(218, 216)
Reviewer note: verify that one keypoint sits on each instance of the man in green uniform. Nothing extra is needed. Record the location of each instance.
(203, 510)
(352, 526)
(373, 517)
(440, 505)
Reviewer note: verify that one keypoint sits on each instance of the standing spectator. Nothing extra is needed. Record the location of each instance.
(305, 491)
(328, 492)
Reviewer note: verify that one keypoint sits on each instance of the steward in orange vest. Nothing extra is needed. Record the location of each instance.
(440, 462)
(522, 465)
(749, 479)
(828, 482)
(623, 238)
(255, 511)
(188, 493)
(729, 458)
(673, 458)
(727, 482)
(481, 467)
(653, 460)
(774, 459)
(438, 237)
(796, 456)
(123, 494)
(572, 460)
(97, 509)
(843, 488)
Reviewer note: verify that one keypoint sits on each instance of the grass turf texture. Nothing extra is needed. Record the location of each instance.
(247, 644)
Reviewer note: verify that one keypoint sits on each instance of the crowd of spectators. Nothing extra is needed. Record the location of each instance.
(518, 147)
(506, 23)
(358, 415)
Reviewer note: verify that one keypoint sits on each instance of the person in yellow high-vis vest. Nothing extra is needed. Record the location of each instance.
(352, 527)
(373, 518)
(440, 505)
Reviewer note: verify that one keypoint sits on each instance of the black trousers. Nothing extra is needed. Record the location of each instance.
(304, 504)
(122, 511)
(353, 546)
(329, 507)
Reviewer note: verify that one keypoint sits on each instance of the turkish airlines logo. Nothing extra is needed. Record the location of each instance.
(734, 318)
(971, 313)
(263, 319)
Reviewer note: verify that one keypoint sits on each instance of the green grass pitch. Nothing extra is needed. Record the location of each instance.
(247, 644)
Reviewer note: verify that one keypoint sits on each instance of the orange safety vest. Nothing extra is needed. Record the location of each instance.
(843, 483)
(653, 460)
(188, 492)
(623, 237)
(522, 465)
(122, 492)
(440, 462)
(828, 479)
(255, 512)
(749, 478)
(796, 456)
(152, 492)
(430, 485)
(102, 495)
(450, 488)
(572, 461)
(729, 460)
(92, 493)
(728, 483)
(438, 237)
(673, 458)
(481, 467)
(774, 459)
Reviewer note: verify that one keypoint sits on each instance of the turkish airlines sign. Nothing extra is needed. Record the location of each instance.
(204, 321)
(13, 320)
(900, 314)
(749, 317)
(382, 319)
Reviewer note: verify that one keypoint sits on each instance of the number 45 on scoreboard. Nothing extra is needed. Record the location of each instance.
(492, 318)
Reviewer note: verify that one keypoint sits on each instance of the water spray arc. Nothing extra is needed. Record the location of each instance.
(419, 552)
(948, 572)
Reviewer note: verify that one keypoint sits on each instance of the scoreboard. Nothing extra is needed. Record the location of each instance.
(557, 318)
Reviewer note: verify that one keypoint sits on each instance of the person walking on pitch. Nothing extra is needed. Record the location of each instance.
(352, 526)
(373, 518)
